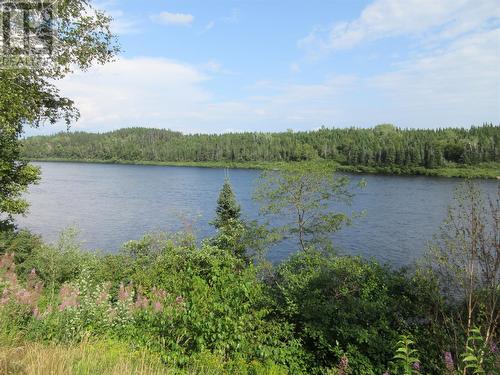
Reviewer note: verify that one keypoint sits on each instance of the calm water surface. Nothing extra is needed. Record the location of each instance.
(112, 204)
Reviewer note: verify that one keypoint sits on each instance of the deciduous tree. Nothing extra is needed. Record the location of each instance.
(29, 97)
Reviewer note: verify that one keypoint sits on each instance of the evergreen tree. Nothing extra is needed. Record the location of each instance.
(230, 227)
(378, 147)
(228, 210)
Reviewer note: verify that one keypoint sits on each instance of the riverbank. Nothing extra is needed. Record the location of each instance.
(482, 171)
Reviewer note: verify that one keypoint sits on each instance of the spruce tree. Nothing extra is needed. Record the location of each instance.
(230, 227)
(228, 210)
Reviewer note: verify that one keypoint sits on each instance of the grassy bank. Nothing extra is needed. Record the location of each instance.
(483, 171)
(105, 357)
(108, 358)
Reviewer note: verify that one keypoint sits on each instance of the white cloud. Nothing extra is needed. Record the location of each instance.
(417, 18)
(175, 19)
(295, 67)
(121, 23)
(140, 91)
(453, 79)
(162, 93)
(459, 85)
(209, 26)
(450, 77)
(233, 18)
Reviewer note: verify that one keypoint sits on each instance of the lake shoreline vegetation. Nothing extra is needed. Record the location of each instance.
(168, 303)
(384, 149)
(482, 171)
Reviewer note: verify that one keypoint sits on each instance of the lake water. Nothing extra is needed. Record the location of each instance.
(112, 204)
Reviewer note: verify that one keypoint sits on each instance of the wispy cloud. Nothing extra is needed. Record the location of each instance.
(121, 23)
(460, 83)
(449, 78)
(139, 91)
(457, 87)
(442, 19)
(295, 67)
(233, 18)
(174, 19)
(209, 26)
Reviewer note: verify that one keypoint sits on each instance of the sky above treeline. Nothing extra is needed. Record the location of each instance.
(272, 65)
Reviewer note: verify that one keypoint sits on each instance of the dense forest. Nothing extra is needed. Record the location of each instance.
(381, 146)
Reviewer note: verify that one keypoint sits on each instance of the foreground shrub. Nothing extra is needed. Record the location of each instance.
(180, 302)
(202, 309)
(346, 307)
(220, 307)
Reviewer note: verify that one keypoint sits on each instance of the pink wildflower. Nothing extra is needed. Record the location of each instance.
(11, 277)
(142, 301)
(416, 366)
(5, 297)
(159, 293)
(37, 314)
(448, 361)
(7, 261)
(69, 297)
(179, 300)
(157, 306)
(125, 292)
(343, 365)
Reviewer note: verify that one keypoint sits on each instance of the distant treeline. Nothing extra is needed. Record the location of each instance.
(383, 145)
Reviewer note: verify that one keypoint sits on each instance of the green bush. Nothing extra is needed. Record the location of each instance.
(203, 309)
(169, 297)
(345, 306)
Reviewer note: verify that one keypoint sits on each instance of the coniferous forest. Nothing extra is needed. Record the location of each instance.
(381, 146)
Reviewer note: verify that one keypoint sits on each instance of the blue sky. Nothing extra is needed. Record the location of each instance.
(218, 66)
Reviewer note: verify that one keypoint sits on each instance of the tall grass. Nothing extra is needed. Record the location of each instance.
(84, 359)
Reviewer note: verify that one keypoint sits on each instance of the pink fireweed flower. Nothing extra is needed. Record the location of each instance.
(7, 261)
(343, 365)
(11, 278)
(5, 297)
(142, 303)
(416, 366)
(69, 297)
(37, 314)
(157, 306)
(179, 300)
(125, 292)
(23, 297)
(448, 361)
(159, 293)
(27, 297)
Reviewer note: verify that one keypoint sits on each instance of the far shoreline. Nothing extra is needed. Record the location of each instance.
(483, 171)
